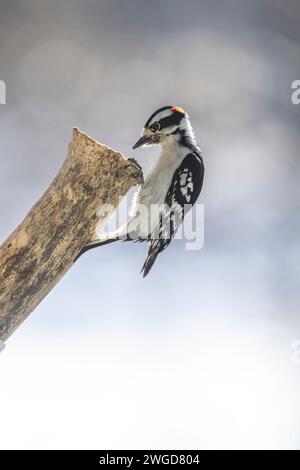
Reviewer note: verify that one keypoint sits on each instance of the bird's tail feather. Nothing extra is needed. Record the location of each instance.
(149, 262)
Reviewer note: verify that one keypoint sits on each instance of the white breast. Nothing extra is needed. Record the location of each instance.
(160, 175)
(157, 183)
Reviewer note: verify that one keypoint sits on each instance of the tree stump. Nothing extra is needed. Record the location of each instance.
(43, 247)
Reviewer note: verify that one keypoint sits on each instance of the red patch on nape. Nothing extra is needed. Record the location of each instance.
(177, 109)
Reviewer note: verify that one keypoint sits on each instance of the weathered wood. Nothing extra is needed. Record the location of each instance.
(42, 248)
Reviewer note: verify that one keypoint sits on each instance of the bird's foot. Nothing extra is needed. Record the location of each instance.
(133, 160)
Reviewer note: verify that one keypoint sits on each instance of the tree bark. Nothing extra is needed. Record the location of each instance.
(43, 247)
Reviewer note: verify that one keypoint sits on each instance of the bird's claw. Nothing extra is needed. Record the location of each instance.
(133, 160)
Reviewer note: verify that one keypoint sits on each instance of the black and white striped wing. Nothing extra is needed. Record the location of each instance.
(184, 190)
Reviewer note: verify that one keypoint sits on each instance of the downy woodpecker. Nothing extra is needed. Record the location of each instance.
(170, 189)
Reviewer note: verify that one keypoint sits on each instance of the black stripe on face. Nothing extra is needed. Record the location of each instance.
(155, 113)
(170, 121)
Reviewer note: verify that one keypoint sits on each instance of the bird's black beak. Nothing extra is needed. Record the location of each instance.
(144, 140)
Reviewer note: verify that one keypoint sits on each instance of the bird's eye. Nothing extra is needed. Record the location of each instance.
(155, 127)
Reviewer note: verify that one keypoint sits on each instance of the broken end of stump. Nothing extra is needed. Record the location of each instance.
(133, 169)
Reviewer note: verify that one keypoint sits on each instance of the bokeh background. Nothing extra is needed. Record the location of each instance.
(199, 354)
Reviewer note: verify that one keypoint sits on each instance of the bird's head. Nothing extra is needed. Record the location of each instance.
(169, 122)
